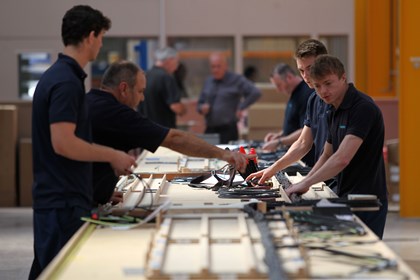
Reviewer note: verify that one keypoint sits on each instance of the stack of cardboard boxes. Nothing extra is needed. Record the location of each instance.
(267, 114)
(15, 154)
(8, 142)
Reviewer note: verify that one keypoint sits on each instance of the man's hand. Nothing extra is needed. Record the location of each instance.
(205, 108)
(271, 145)
(264, 175)
(237, 159)
(122, 163)
(270, 136)
(301, 187)
(117, 197)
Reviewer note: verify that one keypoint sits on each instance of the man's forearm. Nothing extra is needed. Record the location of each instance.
(191, 145)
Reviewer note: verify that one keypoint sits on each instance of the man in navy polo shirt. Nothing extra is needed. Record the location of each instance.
(315, 129)
(353, 151)
(116, 123)
(290, 84)
(61, 137)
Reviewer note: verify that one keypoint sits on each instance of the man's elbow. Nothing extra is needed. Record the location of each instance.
(173, 140)
(342, 162)
(60, 148)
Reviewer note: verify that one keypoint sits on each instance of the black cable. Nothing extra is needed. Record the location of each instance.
(271, 258)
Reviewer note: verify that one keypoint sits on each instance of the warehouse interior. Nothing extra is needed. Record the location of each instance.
(376, 40)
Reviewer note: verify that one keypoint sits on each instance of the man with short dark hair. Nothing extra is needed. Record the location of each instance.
(61, 137)
(287, 82)
(353, 151)
(315, 129)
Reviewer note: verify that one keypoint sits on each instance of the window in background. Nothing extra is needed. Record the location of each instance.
(138, 50)
(31, 66)
(264, 53)
(194, 53)
(337, 46)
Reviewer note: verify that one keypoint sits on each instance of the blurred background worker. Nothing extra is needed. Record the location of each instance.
(287, 82)
(223, 98)
(162, 96)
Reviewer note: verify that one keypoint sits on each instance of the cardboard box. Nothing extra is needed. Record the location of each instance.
(393, 151)
(258, 134)
(269, 94)
(266, 115)
(25, 172)
(8, 142)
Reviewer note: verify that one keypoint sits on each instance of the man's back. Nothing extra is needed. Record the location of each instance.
(59, 97)
(161, 91)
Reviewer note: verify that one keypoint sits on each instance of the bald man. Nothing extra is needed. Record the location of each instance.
(225, 95)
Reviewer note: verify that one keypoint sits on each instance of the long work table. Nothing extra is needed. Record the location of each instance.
(194, 233)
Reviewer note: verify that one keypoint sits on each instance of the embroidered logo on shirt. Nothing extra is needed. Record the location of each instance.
(342, 126)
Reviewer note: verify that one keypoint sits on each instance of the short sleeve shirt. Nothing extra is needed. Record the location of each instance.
(358, 115)
(120, 127)
(295, 115)
(160, 93)
(60, 97)
(317, 120)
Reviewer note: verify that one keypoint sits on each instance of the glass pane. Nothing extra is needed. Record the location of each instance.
(31, 66)
(138, 50)
(337, 46)
(264, 53)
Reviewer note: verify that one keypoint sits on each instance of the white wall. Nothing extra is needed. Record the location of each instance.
(27, 25)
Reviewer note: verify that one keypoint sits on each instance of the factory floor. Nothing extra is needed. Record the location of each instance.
(401, 235)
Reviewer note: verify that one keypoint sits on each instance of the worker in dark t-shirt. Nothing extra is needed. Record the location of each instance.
(117, 124)
(353, 151)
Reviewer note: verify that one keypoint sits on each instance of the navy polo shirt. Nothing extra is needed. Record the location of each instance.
(120, 127)
(60, 97)
(160, 93)
(358, 115)
(295, 113)
(317, 120)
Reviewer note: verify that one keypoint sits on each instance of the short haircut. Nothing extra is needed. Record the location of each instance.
(282, 69)
(326, 65)
(165, 53)
(121, 71)
(79, 21)
(309, 48)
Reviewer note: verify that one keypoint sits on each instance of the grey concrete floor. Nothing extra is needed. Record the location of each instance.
(16, 241)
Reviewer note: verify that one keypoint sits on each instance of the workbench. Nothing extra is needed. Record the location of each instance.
(202, 236)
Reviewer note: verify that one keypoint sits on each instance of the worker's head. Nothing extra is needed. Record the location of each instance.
(284, 78)
(84, 24)
(329, 79)
(305, 56)
(218, 65)
(126, 81)
(167, 58)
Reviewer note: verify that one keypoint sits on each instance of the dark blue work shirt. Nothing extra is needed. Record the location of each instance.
(317, 120)
(295, 113)
(120, 127)
(60, 97)
(160, 93)
(358, 115)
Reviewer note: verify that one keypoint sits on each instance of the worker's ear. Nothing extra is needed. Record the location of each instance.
(123, 88)
(344, 77)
